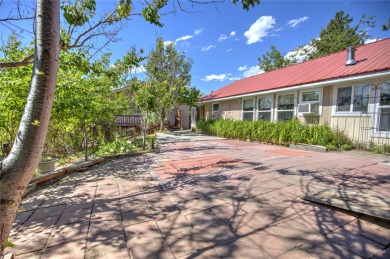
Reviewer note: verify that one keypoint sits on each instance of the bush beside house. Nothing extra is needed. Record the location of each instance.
(280, 133)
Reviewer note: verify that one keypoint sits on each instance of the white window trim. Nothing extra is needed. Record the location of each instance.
(272, 105)
(375, 120)
(242, 107)
(319, 101)
(276, 103)
(212, 107)
(335, 113)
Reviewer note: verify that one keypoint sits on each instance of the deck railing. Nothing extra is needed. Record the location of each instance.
(128, 120)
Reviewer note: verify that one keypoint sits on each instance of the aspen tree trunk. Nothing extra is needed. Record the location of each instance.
(162, 119)
(17, 168)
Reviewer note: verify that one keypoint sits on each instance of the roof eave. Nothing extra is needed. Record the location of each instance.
(304, 86)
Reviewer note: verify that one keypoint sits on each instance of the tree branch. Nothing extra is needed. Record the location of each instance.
(24, 62)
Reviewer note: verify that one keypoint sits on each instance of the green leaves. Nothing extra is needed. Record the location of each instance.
(124, 8)
(274, 60)
(246, 4)
(281, 132)
(151, 15)
(80, 12)
(340, 34)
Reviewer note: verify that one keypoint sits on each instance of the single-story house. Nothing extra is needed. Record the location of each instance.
(349, 90)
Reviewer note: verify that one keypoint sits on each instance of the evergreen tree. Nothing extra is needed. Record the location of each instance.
(274, 60)
(340, 34)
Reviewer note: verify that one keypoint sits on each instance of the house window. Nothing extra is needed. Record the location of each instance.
(286, 107)
(353, 99)
(215, 107)
(310, 102)
(311, 96)
(384, 108)
(264, 108)
(247, 110)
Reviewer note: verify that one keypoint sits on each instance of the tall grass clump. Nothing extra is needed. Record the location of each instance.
(280, 133)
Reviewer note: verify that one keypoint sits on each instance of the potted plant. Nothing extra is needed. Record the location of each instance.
(47, 164)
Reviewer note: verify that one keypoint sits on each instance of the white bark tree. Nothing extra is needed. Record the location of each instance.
(18, 167)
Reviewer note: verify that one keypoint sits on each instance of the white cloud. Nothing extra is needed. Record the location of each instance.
(294, 22)
(259, 29)
(214, 77)
(222, 37)
(302, 53)
(234, 78)
(166, 43)
(229, 50)
(205, 49)
(184, 44)
(187, 37)
(371, 40)
(255, 70)
(198, 31)
(137, 70)
(278, 29)
(242, 68)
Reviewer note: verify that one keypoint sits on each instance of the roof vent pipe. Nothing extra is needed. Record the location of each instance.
(351, 56)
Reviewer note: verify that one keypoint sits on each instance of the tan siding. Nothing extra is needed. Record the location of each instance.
(326, 104)
(356, 127)
(230, 109)
(207, 111)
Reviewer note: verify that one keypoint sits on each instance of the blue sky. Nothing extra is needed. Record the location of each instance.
(225, 41)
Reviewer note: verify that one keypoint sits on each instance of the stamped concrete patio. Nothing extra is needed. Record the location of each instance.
(207, 199)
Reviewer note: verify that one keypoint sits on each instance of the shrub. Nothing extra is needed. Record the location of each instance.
(281, 132)
(115, 147)
(380, 149)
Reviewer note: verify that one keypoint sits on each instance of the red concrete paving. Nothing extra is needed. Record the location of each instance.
(206, 199)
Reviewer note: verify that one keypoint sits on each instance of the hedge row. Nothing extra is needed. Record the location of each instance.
(280, 133)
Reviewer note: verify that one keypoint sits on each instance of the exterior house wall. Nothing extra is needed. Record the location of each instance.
(228, 110)
(231, 109)
(326, 104)
(185, 116)
(359, 126)
(356, 127)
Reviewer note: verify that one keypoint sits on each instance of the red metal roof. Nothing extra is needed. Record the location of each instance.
(372, 57)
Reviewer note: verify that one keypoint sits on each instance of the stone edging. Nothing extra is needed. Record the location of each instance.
(308, 147)
(72, 168)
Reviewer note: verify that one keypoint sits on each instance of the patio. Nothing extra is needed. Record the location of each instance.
(207, 198)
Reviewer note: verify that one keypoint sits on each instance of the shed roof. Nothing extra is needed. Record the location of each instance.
(372, 57)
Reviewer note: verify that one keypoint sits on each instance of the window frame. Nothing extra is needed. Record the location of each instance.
(271, 111)
(253, 108)
(320, 97)
(378, 132)
(212, 107)
(277, 104)
(351, 112)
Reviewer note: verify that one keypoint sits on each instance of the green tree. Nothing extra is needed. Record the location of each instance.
(274, 59)
(18, 167)
(340, 34)
(144, 96)
(386, 27)
(13, 89)
(169, 73)
(84, 99)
